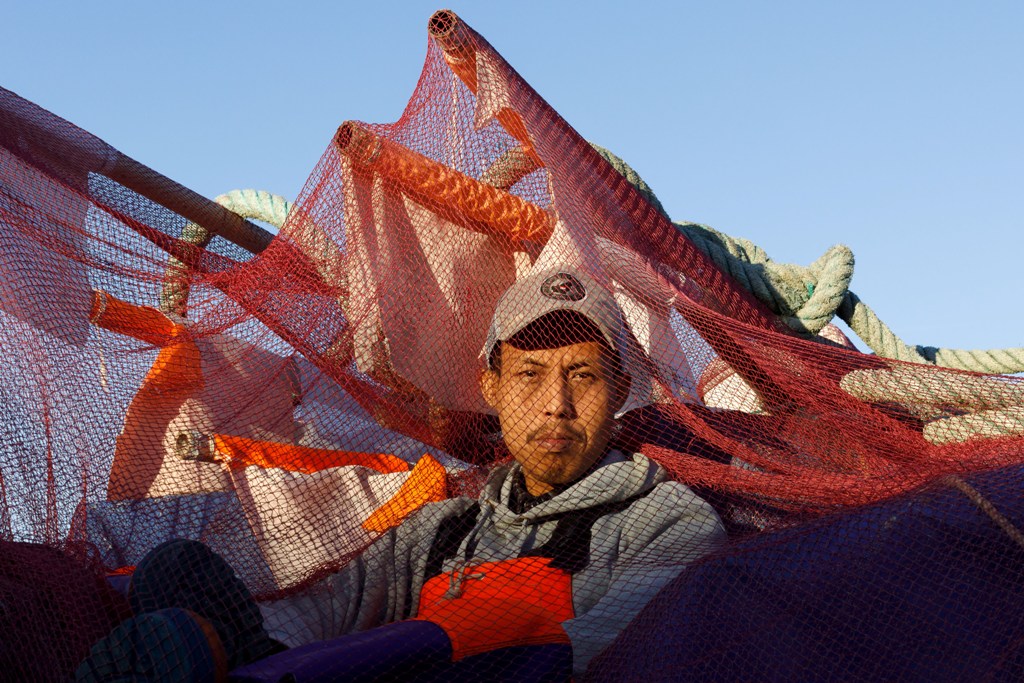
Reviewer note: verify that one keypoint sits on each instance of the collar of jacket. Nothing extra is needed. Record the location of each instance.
(618, 477)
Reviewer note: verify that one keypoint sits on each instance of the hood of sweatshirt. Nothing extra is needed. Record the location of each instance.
(617, 477)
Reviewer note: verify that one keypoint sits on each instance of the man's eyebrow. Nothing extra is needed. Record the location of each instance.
(530, 360)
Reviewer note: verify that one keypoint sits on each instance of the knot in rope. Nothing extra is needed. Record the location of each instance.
(807, 298)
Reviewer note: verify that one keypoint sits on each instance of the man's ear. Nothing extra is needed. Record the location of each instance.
(489, 387)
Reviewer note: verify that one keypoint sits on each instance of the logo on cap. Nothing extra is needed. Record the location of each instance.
(563, 287)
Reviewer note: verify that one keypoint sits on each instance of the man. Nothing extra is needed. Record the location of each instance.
(565, 544)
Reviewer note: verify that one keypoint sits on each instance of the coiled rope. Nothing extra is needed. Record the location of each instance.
(807, 298)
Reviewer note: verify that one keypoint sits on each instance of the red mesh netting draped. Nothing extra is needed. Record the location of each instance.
(297, 402)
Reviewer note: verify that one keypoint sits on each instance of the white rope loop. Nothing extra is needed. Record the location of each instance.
(257, 204)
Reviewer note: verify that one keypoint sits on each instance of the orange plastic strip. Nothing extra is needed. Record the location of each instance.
(178, 366)
(427, 483)
(240, 452)
(446, 192)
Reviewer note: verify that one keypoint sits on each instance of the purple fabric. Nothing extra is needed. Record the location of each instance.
(410, 651)
(523, 664)
(120, 583)
(917, 588)
(397, 651)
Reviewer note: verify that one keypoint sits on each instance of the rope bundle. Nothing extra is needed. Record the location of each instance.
(807, 298)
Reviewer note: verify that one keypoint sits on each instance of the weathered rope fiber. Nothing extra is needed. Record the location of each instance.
(807, 298)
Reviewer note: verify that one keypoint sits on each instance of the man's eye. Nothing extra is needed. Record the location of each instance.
(583, 376)
(526, 374)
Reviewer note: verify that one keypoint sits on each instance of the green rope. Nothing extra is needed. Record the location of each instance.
(808, 298)
(263, 206)
(257, 204)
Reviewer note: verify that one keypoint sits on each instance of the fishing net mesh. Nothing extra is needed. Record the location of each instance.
(294, 407)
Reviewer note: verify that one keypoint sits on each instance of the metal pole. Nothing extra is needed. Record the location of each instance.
(58, 147)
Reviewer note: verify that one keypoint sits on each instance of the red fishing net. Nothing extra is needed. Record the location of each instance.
(292, 402)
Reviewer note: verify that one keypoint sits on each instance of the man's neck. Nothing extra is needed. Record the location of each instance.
(521, 500)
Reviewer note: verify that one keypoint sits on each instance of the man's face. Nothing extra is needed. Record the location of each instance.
(556, 408)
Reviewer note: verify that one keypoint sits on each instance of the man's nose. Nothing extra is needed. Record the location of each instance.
(559, 400)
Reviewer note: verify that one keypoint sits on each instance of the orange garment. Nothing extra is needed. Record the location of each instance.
(521, 601)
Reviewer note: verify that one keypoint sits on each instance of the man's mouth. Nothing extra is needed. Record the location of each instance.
(556, 442)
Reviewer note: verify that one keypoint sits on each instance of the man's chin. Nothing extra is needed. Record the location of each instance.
(558, 458)
(556, 468)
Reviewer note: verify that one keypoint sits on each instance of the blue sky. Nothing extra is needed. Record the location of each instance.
(893, 127)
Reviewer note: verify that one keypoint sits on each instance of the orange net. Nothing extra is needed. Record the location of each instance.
(478, 375)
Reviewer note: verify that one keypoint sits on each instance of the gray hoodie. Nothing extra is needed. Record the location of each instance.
(633, 553)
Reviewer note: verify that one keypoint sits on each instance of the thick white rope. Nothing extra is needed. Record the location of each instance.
(807, 298)
(256, 204)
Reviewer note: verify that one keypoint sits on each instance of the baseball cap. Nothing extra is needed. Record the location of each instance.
(550, 290)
